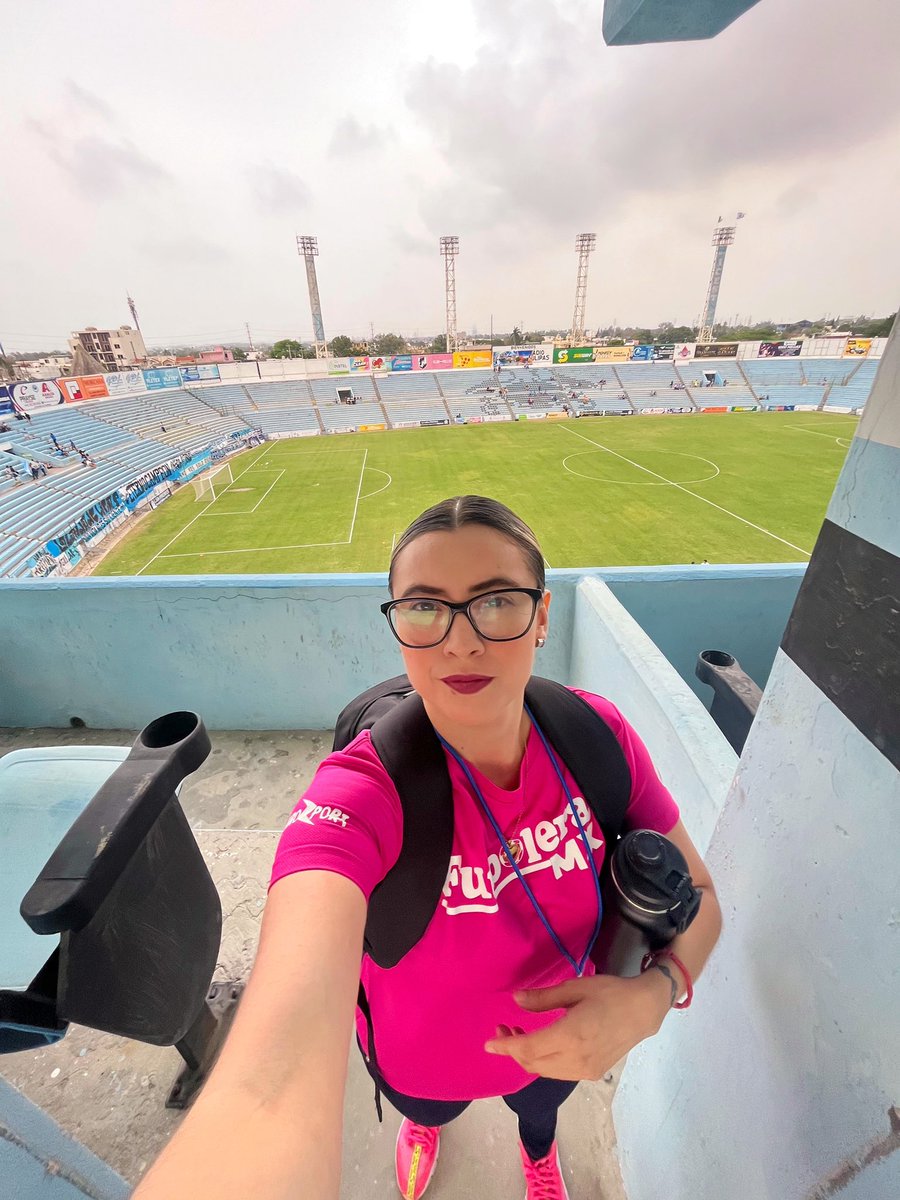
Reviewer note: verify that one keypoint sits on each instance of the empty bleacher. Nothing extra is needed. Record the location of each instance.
(729, 385)
(653, 385)
(772, 372)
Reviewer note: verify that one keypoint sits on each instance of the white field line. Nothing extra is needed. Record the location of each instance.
(159, 553)
(688, 492)
(384, 487)
(266, 492)
(362, 472)
(251, 550)
(393, 543)
(242, 512)
(817, 433)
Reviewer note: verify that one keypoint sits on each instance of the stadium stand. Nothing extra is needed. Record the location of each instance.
(133, 443)
(653, 385)
(596, 388)
(772, 372)
(728, 386)
(419, 385)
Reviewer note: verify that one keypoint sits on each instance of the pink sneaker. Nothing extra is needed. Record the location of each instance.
(416, 1157)
(543, 1179)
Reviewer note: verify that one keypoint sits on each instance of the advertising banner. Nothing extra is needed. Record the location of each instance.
(642, 353)
(719, 408)
(857, 347)
(463, 359)
(433, 362)
(371, 428)
(401, 362)
(198, 371)
(158, 378)
(6, 403)
(573, 354)
(84, 387)
(609, 354)
(789, 349)
(359, 363)
(377, 362)
(666, 351)
(406, 425)
(513, 356)
(338, 366)
(683, 351)
(40, 394)
(123, 383)
(716, 350)
(438, 421)
(493, 417)
(745, 408)
(780, 407)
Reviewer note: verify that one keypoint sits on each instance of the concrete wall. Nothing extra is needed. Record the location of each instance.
(782, 1081)
(39, 1162)
(276, 652)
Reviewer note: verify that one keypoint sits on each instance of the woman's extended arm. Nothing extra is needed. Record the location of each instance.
(268, 1122)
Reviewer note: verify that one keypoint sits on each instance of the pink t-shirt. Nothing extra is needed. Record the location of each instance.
(434, 1011)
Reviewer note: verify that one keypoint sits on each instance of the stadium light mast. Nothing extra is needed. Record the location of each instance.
(449, 250)
(132, 308)
(722, 238)
(584, 244)
(308, 249)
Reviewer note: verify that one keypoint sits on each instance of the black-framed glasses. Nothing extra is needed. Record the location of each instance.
(420, 622)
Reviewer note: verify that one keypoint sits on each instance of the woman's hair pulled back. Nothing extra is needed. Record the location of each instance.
(458, 511)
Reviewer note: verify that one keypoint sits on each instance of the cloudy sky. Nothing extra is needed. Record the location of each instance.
(175, 149)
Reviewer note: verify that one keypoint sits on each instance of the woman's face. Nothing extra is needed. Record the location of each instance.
(456, 566)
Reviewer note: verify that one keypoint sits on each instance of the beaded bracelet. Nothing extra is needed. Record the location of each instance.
(653, 959)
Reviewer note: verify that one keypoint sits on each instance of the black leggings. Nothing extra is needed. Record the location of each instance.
(536, 1106)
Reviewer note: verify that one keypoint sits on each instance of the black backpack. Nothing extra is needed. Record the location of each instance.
(403, 903)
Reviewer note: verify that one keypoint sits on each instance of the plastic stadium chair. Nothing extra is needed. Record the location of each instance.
(124, 889)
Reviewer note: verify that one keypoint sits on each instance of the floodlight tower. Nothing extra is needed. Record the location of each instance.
(132, 308)
(308, 249)
(584, 244)
(449, 250)
(722, 238)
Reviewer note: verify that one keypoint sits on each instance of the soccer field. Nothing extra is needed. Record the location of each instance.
(736, 488)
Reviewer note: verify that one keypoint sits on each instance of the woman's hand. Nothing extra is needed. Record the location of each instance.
(606, 1016)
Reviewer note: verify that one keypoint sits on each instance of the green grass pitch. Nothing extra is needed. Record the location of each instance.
(730, 488)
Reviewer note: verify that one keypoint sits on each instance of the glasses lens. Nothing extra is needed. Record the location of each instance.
(503, 615)
(420, 622)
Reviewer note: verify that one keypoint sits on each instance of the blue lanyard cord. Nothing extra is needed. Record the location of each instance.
(577, 967)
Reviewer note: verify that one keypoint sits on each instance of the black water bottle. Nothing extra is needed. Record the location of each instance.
(648, 898)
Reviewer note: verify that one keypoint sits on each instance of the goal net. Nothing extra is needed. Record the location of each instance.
(213, 483)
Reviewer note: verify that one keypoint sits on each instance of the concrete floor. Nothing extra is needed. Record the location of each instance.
(109, 1092)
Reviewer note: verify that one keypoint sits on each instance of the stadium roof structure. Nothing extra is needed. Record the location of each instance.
(635, 22)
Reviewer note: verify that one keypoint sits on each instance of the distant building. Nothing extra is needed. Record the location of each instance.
(217, 355)
(115, 348)
(50, 367)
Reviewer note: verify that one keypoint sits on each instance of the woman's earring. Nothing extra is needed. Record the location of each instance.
(541, 642)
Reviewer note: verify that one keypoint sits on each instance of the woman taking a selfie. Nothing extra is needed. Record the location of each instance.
(499, 996)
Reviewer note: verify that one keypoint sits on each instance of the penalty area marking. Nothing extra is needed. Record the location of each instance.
(641, 483)
(242, 512)
(160, 554)
(687, 492)
(265, 549)
(384, 486)
(818, 433)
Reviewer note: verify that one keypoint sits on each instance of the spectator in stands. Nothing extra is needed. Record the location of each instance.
(603, 383)
(74, 448)
(35, 470)
(671, 383)
(54, 441)
(85, 461)
(12, 473)
(653, 393)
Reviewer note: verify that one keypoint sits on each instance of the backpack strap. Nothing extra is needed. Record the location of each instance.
(403, 903)
(589, 750)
